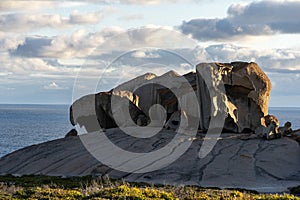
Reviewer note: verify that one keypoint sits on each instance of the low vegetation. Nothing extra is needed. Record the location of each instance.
(45, 187)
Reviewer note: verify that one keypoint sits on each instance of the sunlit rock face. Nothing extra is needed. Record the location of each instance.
(245, 96)
(94, 112)
(239, 90)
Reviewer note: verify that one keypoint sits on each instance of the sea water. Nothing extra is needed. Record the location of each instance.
(24, 125)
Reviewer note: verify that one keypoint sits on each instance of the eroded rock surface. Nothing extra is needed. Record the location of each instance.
(95, 111)
(247, 94)
(240, 90)
(265, 166)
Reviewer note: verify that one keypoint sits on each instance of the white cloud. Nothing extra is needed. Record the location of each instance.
(38, 5)
(81, 44)
(272, 60)
(14, 5)
(10, 42)
(54, 86)
(131, 17)
(5, 73)
(22, 68)
(145, 54)
(88, 18)
(143, 2)
(144, 44)
(22, 22)
(138, 2)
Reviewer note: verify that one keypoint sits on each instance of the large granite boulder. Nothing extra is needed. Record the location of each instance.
(160, 91)
(142, 93)
(236, 93)
(95, 112)
(245, 94)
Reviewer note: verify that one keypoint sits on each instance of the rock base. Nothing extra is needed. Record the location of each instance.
(256, 164)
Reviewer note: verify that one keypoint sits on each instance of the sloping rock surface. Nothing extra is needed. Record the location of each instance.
(265, 166)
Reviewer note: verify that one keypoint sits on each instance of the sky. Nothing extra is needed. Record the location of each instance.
(53, 52)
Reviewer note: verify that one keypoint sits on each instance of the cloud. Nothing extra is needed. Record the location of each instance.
(54, 86)
(138, 2)
(78, 44)
(13, 5)
(81, 43)
(5, 73)
(130, 17)
(89, 18)
(34, 5)
(145, 54)
(145, 2)
(215, 29)
(31, 47)
(271, 60)
(256, 18)
(23, 69)
(10, 42)
(143, 45)
(281, 16)
(21, 22)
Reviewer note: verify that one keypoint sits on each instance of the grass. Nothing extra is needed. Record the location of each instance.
(45, 187)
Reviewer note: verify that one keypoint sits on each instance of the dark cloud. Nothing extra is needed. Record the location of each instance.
(256, 18)
(31, 47)
(265, 12)
(215, 29)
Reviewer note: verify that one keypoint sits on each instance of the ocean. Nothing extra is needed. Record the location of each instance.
(24, 125)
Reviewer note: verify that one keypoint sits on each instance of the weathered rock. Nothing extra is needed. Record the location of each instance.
(296, 135)
(149, 90)
(270, 129)
(238, 90)
(151, 93)
(247, 94)
(286, 129)
(95, 111)
(142, 120)
(159, 91)
(265, 166)
(71, 133)
(135, 83)
(271, 119)
(173, 121)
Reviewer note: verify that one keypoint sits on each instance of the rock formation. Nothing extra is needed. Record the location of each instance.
(71, 133)
(270, 128)
(247, 94)
(286, 129)
(94, 111)
(240, 90)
